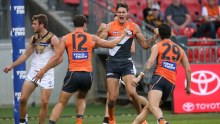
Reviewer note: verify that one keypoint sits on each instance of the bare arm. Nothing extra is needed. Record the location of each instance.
(101, 28)
(146, 43)
(186, 66)
(59, 48)
(106, 44)
(104, 33)
(28, 52)
(153, 56)
(148, 65)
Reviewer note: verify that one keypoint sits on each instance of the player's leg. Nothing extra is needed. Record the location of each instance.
(45, 96)
(46, 84)
(143, 101)
(159, 90)
(58, 108)
(27, 89)
(84, 84)
(68, 88)
(131, 92)
(142, 116)
(106, 118)
(112, 87)
(154, 97)
(80, 106)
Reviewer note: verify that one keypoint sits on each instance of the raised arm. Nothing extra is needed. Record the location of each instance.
(28, 52)
(59, 48)
(104, 33)
(186, 66)
(146, 43)
(101, 28)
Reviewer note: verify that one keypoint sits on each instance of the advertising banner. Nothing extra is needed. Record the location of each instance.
(205, 89)
(18, 45)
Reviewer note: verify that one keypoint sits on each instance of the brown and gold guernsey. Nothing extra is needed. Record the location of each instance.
(79, 46)
(43, 50)
(122, 51)
(169, 57)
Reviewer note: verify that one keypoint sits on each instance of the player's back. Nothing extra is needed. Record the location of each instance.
(79, 46)
(169, 57)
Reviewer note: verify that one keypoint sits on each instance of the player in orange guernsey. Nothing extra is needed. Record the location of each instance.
(142, 99)
(169, 55)
(79, 45)
(119, 62)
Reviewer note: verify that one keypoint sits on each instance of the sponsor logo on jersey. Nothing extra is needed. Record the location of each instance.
(169, 65)
(79, 55)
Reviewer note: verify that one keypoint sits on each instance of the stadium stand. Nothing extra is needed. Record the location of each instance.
(76, 2)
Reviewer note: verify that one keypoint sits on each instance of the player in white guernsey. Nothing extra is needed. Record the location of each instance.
(43, 46)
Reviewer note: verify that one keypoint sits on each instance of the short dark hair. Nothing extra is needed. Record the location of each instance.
(122, 4)
(79, 20)
(164, 31)
(42, 19)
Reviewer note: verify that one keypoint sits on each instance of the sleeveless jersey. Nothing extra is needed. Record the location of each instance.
(79, 46)
(43, 50)
(122, 51)
(169, 57)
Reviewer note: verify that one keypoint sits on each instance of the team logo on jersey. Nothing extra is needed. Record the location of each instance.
(129, 33)
(169, 65)
(79, 55)
(115, 32)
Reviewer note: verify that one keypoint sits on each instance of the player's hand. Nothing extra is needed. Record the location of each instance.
(156, 32)
(124, 33)
(136, 80)
(7, 69)
(141, 75)
(102, 27)
(38, 76)
(188, 91)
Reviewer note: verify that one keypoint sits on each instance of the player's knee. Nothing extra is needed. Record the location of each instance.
(132, 94)
(23, 100)
(44, 103)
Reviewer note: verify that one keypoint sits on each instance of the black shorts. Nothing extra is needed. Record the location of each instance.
(119, 69)
(75, 81)
(160, 83)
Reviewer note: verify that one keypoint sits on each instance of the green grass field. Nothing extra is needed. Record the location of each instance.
(124, 115)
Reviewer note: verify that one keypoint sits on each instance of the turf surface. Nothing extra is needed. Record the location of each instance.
(124, 115)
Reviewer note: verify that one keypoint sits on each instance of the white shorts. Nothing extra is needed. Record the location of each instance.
(47, 82)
